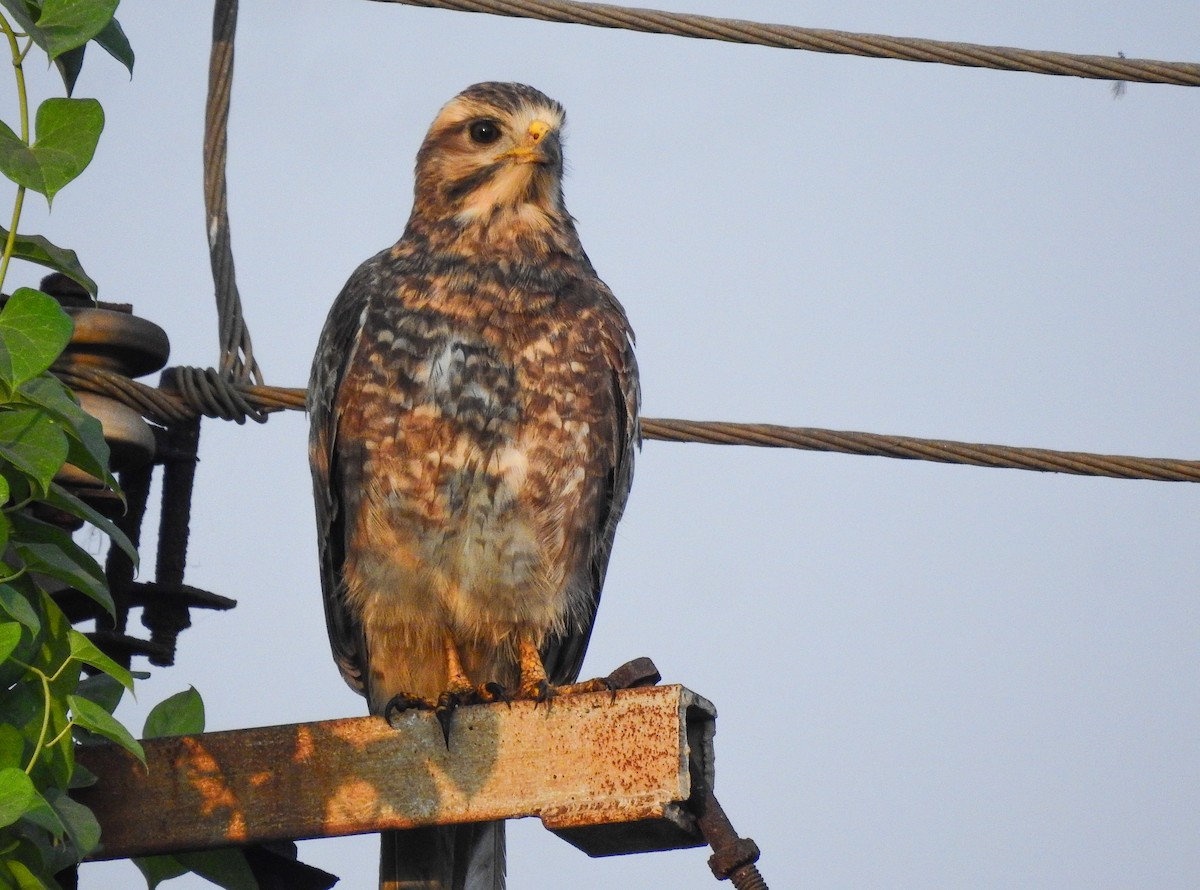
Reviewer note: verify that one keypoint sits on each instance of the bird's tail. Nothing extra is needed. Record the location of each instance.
(443, 857)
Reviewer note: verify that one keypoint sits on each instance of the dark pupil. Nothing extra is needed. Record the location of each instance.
(484, 132)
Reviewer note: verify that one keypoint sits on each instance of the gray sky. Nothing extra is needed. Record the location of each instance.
(927, 676)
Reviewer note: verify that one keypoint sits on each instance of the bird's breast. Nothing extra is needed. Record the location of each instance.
(475, 466)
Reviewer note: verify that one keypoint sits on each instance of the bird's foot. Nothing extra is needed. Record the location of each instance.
(493, 692)
(537, 690)
(456, 696)
(447, 704)
(405, 701)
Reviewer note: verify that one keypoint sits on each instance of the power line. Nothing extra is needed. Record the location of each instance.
(910, 49)
(203, 391)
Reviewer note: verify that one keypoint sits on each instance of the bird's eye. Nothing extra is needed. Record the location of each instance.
(484, 132)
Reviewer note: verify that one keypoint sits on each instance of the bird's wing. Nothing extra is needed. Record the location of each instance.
(339, 339)
(562, 654)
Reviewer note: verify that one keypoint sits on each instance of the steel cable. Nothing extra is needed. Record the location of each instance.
(235, 391)
(910, 448)
(189, 392)
(877, 46)
(237, 352)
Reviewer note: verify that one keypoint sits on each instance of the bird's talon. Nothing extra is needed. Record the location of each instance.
(404, 701)
(447, 704)
(493, 692)
(540, 692)
(444, 717)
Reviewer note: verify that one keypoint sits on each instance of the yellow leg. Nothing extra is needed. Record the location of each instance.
(458, 687)
(534, 683)
(457, 680)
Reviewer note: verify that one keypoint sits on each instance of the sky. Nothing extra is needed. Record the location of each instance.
(926, 675)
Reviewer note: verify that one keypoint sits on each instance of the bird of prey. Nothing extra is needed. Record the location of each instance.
(474, 416)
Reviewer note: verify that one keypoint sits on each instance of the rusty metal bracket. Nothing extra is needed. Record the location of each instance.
(609, 772)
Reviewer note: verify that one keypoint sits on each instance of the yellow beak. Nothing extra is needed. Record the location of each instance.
(530, 152)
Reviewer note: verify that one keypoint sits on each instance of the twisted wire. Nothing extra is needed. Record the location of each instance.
(189, 392)
(237, 352)
(911, 49)
(938, 450)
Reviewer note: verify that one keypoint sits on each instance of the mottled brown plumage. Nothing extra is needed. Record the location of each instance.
(474, 407)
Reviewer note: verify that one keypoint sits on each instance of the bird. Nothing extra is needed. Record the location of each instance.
(473, 410)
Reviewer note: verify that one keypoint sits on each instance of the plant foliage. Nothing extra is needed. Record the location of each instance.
(47, 704)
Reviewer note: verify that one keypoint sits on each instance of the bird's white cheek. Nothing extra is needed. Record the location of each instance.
(506, 188)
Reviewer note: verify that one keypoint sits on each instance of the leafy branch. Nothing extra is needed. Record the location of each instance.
(66, 130)
(47, 704)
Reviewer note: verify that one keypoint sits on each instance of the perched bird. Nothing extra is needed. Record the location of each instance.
(474, 415)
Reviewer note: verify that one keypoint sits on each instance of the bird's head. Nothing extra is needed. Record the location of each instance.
(494, 149)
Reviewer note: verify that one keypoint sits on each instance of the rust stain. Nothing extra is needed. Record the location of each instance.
(304, 745)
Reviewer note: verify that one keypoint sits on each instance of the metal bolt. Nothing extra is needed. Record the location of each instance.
(733, 857)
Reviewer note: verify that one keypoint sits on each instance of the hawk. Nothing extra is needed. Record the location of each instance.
(474, 415)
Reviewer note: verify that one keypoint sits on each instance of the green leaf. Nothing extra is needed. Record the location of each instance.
(10, 636)
(89, 452)
(27, 880)
(12, 747)
(36, 249)
(113, 41)
(181, 714)
(20, 487)
(40, 813)
(53, 657)
(226, 868)
(14, 669)
(34, 330)
(67, 24)
(80, 823)
(102, 689)
(156, 869)
(63, 500)
(69, 65)
(22, 706)
(33, 443)
(49, 550)
(95, 719)
(22, 12)
(17, 794)
(67, 131)
(86, 448)
(18, 607)
(81, 776)
(83, 649)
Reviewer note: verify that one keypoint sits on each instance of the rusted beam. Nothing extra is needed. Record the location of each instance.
(609, 774)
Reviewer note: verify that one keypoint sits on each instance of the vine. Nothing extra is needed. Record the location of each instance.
(47, 704)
